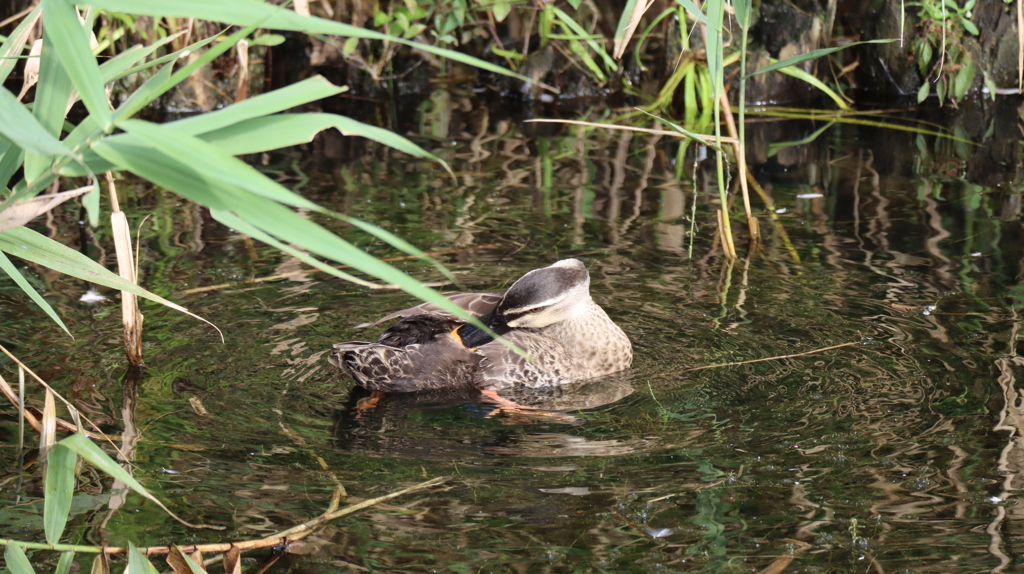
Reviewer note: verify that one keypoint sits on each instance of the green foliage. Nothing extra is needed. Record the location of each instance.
(941, 56)
(192, 157)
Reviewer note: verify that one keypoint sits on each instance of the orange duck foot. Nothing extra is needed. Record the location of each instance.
(367, 403)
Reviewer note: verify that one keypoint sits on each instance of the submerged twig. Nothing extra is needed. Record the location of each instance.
(805, 353)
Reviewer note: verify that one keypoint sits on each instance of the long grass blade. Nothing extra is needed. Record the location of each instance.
(16, 560)
(58, 491)
(234, 222)
(31, 246)
(571, 24)
(812, 80)
(64, 33)
(50, 107)
(15, 43)
(124, 61)
(67, 558)
(210, 162)
(20, 280)
(308, 90)
(282, 130)
(165, 79)
(24, 129)
(210, 184)
(813, 54)
(85, 448)
(138, 563)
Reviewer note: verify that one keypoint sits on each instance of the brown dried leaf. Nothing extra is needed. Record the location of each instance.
(24, 211)
(100, 564)
(31, 68)
(233, 561)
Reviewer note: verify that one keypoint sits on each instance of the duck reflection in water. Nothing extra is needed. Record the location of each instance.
(439, 424)
(548, 313)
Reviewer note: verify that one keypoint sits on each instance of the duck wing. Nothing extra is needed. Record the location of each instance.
(501, 367)
(417, 353)
(476, 303)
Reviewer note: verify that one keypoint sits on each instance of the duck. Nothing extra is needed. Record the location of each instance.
(548, 313)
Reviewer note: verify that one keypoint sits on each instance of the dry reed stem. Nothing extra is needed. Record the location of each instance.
(281, 276)
(131, 317)
(804, 354)
(741, 166)
(639, 9)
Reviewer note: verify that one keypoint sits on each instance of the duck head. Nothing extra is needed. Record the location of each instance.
(540, 298)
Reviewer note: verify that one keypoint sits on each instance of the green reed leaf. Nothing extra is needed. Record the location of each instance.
(12, 272)
(308, 90)
(24, 129)
(15, 43)
(277, 131)
(58, 491)
(32, 246)
(16, 560)
(64, 33)
(67, 558)
(799, 59)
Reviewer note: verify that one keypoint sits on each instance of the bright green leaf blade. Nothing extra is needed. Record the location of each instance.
(398, 243)
(693, 10)
(162, 82)
(138, 563)
(208, 184)
(684, 132)
(58, 491)
(146, 93)
(21, 127)
(624, 18)
(810, 79)
(121, 63)
(16, 560)
(812, 55)
(18, 278)
(10, 162)
(273, 132)
(308, 90)
(212, 163)
(172, 57)
(64, 33)
(67, 558)
(266, 15)
(567, 20)
(85, 448)
(267, 40)
(31, 246)
(14, 43)
(91, 203)
(238, 224)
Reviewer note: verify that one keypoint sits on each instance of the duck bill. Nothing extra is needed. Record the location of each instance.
(473, 336)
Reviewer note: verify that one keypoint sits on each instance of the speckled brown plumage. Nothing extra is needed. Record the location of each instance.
(548, 313)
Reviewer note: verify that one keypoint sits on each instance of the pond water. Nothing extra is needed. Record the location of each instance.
(896, 452)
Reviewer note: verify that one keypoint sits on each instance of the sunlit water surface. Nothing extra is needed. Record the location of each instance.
(897, 452)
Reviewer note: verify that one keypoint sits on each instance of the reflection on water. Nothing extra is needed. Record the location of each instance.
(900, 452)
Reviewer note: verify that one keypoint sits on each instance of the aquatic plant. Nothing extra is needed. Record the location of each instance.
(194, 157)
